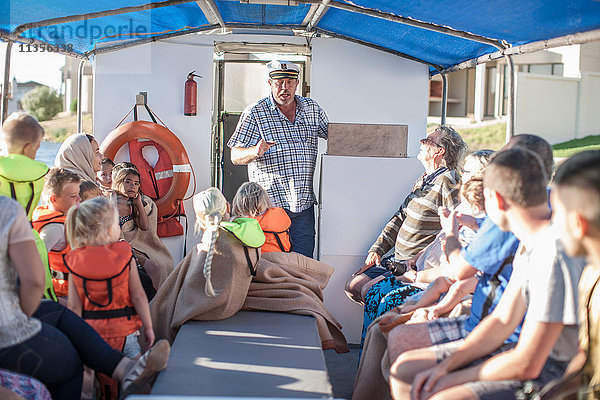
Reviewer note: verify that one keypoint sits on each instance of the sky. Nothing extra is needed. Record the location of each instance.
(40, 67)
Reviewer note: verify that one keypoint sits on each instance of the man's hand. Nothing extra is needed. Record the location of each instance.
(262, 146)
(448, 221)
(372, 259)
(425, 382)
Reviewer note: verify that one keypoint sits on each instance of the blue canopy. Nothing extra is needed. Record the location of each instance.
(412, 28)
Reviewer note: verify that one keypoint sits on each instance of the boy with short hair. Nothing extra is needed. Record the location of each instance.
(21, 176)
(576, 204)
(61, 192)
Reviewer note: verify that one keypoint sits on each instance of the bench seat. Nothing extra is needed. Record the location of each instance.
(252, 354)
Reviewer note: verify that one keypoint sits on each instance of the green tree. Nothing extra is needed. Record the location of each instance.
(42, 102)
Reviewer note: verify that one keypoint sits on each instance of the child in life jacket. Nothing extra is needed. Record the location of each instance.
(22, 177)
(61, 192)
(104, 176)
(252, 201)
(104, 285)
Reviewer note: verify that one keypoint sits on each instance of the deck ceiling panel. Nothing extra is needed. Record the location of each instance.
(516, 22)
(260, 14)
(433, 47)
(512, 22)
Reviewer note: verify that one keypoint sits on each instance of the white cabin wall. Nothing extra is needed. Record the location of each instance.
(359, 194)
(354, 83)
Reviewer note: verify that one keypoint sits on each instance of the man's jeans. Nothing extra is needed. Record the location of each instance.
(302, 231)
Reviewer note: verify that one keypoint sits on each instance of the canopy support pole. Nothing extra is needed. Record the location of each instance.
(444, 98)
(510, 105)
(79, 91)
(316, 17)
(125, 45)
(211, 12)
(4, 108)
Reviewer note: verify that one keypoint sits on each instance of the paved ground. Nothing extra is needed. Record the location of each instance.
(342, 369)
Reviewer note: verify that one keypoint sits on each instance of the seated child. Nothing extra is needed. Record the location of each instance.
(21, 176)
(89, 190)
(252, 201)
(126, 186)
(104, 176)
(138, 216)
(61, 192)
(104, 285)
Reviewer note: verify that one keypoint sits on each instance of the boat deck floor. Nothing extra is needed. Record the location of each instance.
(342, 370)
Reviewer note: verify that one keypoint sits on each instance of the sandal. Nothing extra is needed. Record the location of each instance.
(137, 379)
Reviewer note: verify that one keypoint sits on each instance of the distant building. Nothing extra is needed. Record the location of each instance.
(16, 92)
(69, 84)
(557, 92)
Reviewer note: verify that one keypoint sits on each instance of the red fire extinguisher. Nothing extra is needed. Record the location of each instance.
(190, 97)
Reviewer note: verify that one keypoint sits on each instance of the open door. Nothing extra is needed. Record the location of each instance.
(241, 82)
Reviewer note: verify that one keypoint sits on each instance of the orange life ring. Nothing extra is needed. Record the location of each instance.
(168, 204)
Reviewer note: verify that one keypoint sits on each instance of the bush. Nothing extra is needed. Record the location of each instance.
(73, 106)
(42, 102)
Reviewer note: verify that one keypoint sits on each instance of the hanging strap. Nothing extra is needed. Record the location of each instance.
(108, 287)
(494, 283)
(250, 265)
(13, 195)
(279, 242)
(150, 113)
(153, 116)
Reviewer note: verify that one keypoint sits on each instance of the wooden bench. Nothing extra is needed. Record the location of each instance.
(252, 354)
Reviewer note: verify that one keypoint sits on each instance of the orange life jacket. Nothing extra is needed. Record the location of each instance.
(275, 223)
(43, 216)
(156, 181)
(101, 276)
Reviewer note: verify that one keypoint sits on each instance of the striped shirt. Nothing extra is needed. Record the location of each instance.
(287, 169)
(416, 223)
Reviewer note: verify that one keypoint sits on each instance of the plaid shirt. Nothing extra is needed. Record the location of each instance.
(417, 222)
(287, 169)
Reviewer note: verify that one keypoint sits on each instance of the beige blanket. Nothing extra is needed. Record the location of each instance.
(182, 298)
(76, 155)
(293, 283)
(148, 241)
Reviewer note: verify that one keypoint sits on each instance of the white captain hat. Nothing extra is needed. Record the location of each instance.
(282, 69)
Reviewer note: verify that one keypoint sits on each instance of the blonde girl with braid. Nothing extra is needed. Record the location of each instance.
(211, 208)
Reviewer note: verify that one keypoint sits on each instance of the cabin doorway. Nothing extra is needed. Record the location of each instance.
(241, 80)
